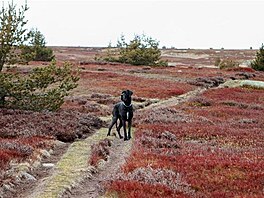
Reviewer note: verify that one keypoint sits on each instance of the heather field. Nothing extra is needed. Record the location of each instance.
(210, 146)
(192, 137)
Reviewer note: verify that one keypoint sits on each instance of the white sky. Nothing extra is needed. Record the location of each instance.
(181, 24)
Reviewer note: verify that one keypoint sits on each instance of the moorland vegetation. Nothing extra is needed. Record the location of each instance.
(209, 146)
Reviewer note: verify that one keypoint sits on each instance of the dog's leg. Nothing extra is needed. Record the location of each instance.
(129, 129)
(125, 133)
(114, 120)
(118, 129)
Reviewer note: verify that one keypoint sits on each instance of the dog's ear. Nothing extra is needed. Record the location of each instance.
(130, 92)
(122, 95)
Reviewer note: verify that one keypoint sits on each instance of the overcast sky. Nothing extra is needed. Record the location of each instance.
(181, 24)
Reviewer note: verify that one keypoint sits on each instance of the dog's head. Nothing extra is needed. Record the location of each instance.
(126, 95)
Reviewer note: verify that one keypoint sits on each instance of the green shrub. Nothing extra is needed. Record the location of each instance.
(142, 50)
(26, 54)
(226, 64)
(43, 54)
(258, 62)
(217, 61)
(36, 50)
(43, 89)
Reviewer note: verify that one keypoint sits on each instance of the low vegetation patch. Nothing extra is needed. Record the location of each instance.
(99, 152)
(24, 133)
(216, 150)
(228, 64)
(236, 94)
(208, 81)
(111, 83)
(62, 125)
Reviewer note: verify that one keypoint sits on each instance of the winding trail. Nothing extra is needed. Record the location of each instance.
(73, 167)
(93, 187)
(175, 100)
(72, 177)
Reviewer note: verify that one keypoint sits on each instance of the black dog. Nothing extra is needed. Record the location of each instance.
(123, 111)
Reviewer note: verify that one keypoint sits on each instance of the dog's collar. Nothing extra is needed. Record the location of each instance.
(126, 105)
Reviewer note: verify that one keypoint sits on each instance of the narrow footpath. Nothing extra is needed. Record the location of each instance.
(72, 177)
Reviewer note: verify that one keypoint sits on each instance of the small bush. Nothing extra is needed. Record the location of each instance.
(43, 89)
(226, 64)
(36, 50)
(258, 62)
(43, 54)
(217, 61)
(142, 50)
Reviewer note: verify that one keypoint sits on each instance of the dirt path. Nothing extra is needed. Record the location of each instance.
(92, 187)
(72, 177)
(72, 169)
(175, 100)
(26, 187)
